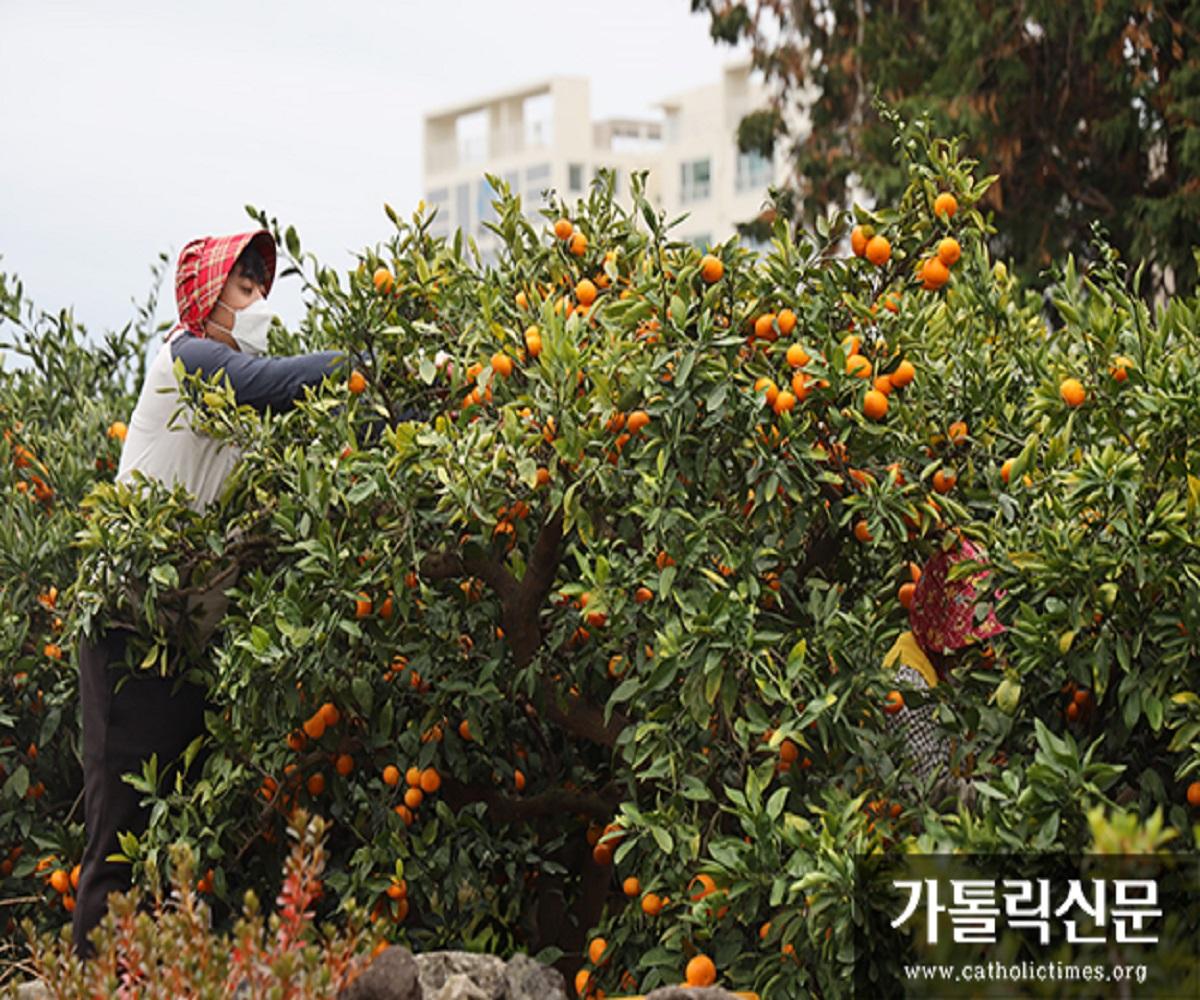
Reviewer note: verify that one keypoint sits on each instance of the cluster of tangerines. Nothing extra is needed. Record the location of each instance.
(313, 728)
(399, 668)
(1079, 703)
(29, 482)
(48, 602)
(770, 325)
(6, 866)
(393, 900)
(624, 426)
(700, 969)
(881, 809)
(604, 841)
(63, 882)
(419, 782)
(502, 363)
(933, 272)
(789, 753)
(364, 606)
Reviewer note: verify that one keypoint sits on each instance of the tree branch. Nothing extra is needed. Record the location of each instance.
(552, 802)
(585, 720)
(447, 565)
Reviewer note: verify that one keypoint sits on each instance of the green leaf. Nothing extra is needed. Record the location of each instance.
(1008, 695)
(678, 311)
(797, 654)
(260, 639)
(754, 789)
(361, 490)
(361, 688)
(17, 784)
(712, 684)
(1153, 709)
(166, 576)
(190, 752)
(662, 839)
(625, 690)
(776, 803)
(1132, 708)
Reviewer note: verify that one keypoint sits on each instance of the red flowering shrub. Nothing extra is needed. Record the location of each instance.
(168, 950)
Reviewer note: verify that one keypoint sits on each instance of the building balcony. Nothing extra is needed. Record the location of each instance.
(449, 155)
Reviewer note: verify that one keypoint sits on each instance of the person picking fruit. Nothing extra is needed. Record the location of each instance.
(221, 286)
(942, 623)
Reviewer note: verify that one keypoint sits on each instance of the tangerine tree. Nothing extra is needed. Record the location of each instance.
(567, 606)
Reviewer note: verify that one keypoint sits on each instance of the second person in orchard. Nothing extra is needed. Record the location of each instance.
(942, 624)
(221, 286)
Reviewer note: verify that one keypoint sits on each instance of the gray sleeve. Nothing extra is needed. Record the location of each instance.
(261, 382)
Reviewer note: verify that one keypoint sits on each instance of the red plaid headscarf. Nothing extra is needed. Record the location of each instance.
(203, 266)
(942, 615)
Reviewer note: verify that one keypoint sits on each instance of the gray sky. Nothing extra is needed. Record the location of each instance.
(131, 126)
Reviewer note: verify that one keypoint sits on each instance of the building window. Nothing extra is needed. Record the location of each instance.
(439, 199)
(575, 177)
(753, 172)
(695, 180)
(471, 137)
(462, 206)
(537, 112)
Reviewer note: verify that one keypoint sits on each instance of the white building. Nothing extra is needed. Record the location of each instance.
(542, 136)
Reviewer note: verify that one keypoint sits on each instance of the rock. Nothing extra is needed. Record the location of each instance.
(459, 987)
(484, 971)
(392, 976)
(530, 980)
(33, 990)
(691, 993)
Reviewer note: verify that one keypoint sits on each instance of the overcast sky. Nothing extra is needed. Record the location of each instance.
(129, 126)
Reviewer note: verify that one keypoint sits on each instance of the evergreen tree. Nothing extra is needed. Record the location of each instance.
(1084, 111)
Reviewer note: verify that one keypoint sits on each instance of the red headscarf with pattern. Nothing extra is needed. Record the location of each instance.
(942, 615)
(203, 267)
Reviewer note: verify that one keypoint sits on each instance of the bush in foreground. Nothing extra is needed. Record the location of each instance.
(169, 949)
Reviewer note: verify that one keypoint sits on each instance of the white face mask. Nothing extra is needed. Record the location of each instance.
(250, 326)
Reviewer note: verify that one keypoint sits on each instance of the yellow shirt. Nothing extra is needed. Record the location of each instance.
(909, 653)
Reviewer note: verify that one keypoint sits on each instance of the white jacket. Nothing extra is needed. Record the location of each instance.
(163, 446)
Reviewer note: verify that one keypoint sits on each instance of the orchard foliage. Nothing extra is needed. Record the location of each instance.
(613, 605)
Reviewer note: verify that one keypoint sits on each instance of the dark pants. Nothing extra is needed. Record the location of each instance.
(121, 729)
